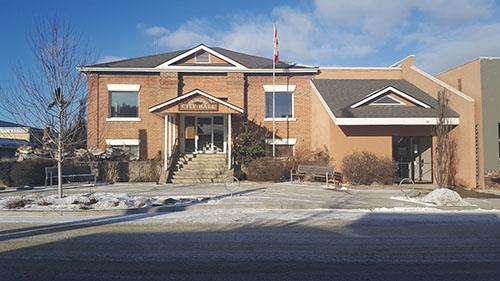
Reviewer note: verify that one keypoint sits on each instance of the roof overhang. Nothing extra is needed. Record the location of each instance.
(193, 93)
(377, 121)
(206, 69)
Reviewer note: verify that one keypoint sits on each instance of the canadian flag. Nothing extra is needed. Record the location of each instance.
(276, 50)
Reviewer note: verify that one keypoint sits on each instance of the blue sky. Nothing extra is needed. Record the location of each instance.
(441, 33)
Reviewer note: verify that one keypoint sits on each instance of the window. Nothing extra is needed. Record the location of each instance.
(283, 147)
(124, 104)
(498, 140)
(132, 150)
(283, 105)
(202, 57)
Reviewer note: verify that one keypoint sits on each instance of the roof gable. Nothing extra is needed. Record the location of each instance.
(190, 95)
(384, 92)
(340, 94)
(171, 62)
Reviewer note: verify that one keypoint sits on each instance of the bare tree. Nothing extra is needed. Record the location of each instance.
(445, 154)
(47, 93)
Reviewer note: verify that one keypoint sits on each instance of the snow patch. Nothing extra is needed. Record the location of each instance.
(445, 197)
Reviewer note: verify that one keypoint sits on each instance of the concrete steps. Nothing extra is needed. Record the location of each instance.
(201, 168)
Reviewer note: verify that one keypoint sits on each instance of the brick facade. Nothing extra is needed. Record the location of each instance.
(241, 89)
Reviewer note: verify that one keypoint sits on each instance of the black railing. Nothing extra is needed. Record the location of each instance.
(172, 161)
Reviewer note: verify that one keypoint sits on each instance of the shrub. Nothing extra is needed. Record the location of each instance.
(5, 168)
(145, 171)
(30, 172)
(268, 169)
(367, 168)
(249, 143)
(18, 203)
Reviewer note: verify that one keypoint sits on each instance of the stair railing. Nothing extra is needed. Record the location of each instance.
(172, 160)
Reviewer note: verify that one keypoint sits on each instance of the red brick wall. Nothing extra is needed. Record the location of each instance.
(243, 90)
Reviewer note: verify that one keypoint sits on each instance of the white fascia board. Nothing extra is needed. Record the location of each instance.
(122, 141)
(322, 101)
(199, 69)
(166, 64)
(187, 95)
(124, 87)
(14, 130)
(443, 84)
(282, 141)
(398, 63)
(378, 93)
(359, 68)
(393, 121)
(279, 88)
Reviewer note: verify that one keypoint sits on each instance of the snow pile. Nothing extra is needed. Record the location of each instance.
(445, 197)
(98, 201)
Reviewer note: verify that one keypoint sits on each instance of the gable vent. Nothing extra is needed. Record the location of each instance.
(202, 57)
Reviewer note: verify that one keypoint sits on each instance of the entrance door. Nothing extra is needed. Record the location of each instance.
(204, 131)
(413, 156)
(204, 134)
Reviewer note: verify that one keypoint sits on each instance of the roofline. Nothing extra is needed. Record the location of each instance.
(195, 69)
(377, 121)
(187, 53)
(398, 63)
(359, 68)
(466, 63)
(442, 83)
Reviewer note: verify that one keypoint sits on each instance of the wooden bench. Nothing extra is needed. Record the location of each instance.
(70, 172)
(328, 173)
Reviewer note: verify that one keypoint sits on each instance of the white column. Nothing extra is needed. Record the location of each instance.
(229, 141)
(165, 144)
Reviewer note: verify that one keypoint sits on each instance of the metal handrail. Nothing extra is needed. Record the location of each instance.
(172, 160)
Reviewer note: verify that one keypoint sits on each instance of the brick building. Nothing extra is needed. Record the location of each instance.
(187, 104)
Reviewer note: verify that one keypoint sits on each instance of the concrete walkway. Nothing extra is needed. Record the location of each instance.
(275, 195)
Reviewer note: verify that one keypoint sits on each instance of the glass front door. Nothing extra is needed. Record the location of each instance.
(413, 156)
(204, 134)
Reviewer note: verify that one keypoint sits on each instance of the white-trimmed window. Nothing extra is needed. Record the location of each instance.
(283, 102)
(130, 146)
(202, 57)
(123, 102)
(284, 148)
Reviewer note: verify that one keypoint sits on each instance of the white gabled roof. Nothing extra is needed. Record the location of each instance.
(373, 96)
(168, 64)
(192, 93)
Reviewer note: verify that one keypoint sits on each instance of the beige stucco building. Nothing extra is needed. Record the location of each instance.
(189, 104)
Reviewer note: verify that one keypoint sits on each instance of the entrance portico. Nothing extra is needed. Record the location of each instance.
(197, 122)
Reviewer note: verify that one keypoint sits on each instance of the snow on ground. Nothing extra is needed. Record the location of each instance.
(445, 197)
(84, 201)
(439, 197)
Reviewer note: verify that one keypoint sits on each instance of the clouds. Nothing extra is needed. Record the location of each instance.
(344, 31)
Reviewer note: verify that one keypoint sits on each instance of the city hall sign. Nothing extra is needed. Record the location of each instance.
(199, 104)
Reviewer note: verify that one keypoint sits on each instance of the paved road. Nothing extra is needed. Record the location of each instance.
(257, 245)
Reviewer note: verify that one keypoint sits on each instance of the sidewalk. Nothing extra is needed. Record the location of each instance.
(278, 196)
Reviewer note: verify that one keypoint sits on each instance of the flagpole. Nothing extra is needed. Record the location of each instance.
(274, 96)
